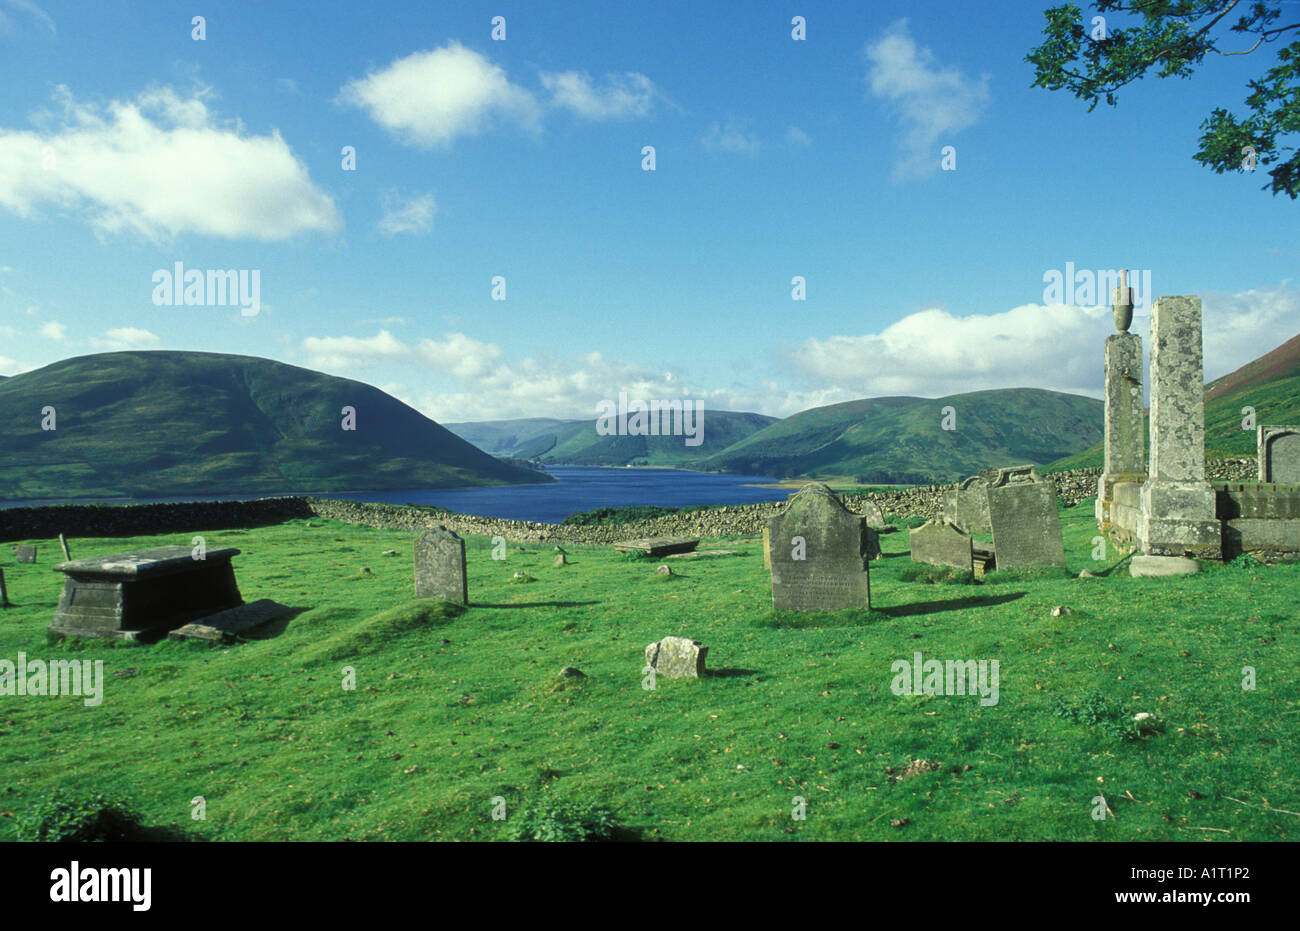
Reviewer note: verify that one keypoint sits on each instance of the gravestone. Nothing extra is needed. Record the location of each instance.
(440, 566)
(25, 554)
(1279, 454)
(144, 592)
(677, 657)
(875, 517)
(658, 546)
(941, 543)
(1025, 523)
(828, 570)
(767, 551)
(967, 505)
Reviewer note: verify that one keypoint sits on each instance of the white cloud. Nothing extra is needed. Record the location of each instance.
(160, 165)
(414, 215)
(797, 137)
(732, 139)
(12, 367)
(429, 98)
(932, 102)
(1240, 328)
(621, 96)
(120, 339)
(27, 8)
(54, 330)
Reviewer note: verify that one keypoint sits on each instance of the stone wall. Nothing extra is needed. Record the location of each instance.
(922, 501)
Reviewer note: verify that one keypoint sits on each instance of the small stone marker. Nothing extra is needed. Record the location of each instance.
(1279, 454)
(1026, 526)
(24, 554)
(64, 544)
(663, 570)
(440, 566)
(1153, 567)
(658, 546)
(827, 571)
(767, 550)
(560, 560)
(942, 543)
(4, 592)
(677, 657)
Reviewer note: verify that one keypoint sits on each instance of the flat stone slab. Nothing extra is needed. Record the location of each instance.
(1152, 567)
(701, 553)
(143, 564)
(658, 546)
(228, 624)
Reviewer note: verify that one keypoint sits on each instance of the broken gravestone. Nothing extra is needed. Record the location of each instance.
(819, 551)
(440, 566)
(676, 657)
(941, 543)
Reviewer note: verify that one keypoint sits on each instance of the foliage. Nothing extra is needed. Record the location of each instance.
(1095, 710)
(63, 817)
(562, 822)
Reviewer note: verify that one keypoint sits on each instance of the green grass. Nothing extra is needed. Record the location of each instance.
(453, 709)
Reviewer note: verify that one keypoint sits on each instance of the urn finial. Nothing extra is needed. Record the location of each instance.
(1121, 302)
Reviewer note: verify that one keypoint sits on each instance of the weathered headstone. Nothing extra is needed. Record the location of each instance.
(440, 566)
(767, 552)
(874, 515)
(676, 657)
(143, 592)
(967, 505)
(1279, 454)
(819, 551)
(1025, 523)
(941, 543)
(1124, 442)
(24, 554)
(1177, 508)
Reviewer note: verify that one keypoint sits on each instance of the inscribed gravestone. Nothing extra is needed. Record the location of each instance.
(825, 569)
(1026, 526)
(676, 657)
(440, 566)
(967, 505)
(941, 543)
(25, 554)
(1279, 454)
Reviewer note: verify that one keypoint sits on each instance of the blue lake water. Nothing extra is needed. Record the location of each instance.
(575, 489)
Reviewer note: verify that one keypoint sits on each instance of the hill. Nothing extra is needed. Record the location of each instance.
(1269, 384)
(576, 442)
(145, 424)
(901, 439)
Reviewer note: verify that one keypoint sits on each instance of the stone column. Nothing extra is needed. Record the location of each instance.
(1125, 452)
(1177, 516)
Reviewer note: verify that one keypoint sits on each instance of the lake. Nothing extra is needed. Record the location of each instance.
(576, 488)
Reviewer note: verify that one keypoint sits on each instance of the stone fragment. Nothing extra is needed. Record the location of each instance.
(1160, 566)
(676, 657)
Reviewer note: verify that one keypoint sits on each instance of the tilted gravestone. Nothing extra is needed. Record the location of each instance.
(1026, 526)
(819, 551)
(1279, 454)
(967, 505)
(25, 554)
(941, 543)
(676, 657)
(440, 566)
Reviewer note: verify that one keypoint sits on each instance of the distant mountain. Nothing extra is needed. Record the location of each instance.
(146, 424)
(1270, 385)
(576, 442)
(902, 440)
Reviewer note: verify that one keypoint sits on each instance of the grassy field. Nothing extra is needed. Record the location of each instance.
(453, 709)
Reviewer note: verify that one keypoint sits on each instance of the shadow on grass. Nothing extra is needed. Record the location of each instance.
(275, 627)
(1109, 569)
(731, 673)
(956, 604)
(537, 604)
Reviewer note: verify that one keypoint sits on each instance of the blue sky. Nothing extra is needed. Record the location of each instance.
(522, 158)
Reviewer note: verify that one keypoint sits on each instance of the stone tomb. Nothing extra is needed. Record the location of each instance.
(1279, 454)
(150, 591)
(941, 543)
(1026, 525)
(828, 571)
(440, 566)
(655, 547)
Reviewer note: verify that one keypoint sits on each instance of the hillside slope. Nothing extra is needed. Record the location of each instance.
(171, 423)
(901, 439)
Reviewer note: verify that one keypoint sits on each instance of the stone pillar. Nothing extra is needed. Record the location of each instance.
(1177, 515)
(1124, 446)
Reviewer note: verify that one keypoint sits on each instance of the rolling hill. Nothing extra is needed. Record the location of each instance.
(901, 439)
(576, 442)
(1269, 384)
(145, 424)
